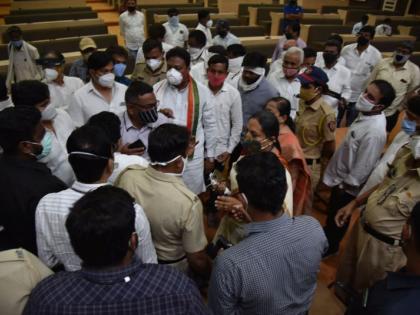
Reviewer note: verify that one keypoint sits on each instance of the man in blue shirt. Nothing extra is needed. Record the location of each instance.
(112, 280)
(254, 88)
(292, 14)
(399, 292)
(274, 269)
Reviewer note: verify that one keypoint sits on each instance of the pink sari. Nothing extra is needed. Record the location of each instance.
(299, 170)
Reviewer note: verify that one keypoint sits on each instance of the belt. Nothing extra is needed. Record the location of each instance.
(168, 262)
(380, 236)
(311, 161)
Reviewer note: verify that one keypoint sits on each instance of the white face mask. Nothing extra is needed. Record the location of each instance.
(415, 147)
(49, 113)
(195, 53)
(107, 80)
(249, 87)
(50, 74)
(209, 23)
(363, 104)
(153, 64)
(235, 64)
(184, 166)
(174, 20)
(174, 77)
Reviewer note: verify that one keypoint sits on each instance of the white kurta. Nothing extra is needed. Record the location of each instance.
(206, 134)
(60, 95)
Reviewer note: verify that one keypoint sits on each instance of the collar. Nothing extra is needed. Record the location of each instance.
(91, 89)
(223, 89)
(367, 50)
(266, 226)
(114, 275)
(402, 280)
(316, 105)
(85, 188)
(158, 71)
(391, 63)
(362, 117)
(163, 176)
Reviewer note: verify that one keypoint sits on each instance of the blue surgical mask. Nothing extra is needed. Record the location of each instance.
(409, 126)
(17, 43)
(46, 144)
(119, 69)
(174, 20)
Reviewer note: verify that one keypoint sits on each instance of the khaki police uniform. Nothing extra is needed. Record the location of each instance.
(367, 259)
(20, 272)
(174, 212)
(142, 72)
(315, 125)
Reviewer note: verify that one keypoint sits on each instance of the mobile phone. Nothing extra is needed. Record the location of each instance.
(137, 144)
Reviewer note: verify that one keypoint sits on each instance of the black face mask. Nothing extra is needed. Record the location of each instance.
(149, 116)
(330, 58)
(131, 9)
(222, 33)
(288, 35)
(362, 41)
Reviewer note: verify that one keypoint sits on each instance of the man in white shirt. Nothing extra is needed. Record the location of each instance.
(111, 127)
(91, 157)
(338, 75)
(197, 47)
(22, 58)
(402, 74)
(236, 54)
(228, 106)
(157, 32)
(176, 33)
(355, 159)
(61, 87)
(189, 102)
(361, 58)
(286, 81)
(101, 93)
(385, 28)
(140, 118)
(359, 25)
(224, 37)
(278, 64)
(132, 27)
(319, 61)
(204, 25)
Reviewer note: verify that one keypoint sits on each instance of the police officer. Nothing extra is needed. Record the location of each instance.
(315, 122)
(175, 213)
(375, 244)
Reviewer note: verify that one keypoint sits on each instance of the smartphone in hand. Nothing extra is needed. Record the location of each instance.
(136, 144)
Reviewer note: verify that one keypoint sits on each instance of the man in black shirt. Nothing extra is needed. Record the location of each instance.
(23, 180)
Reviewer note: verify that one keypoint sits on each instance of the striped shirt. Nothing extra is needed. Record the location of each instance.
(272, 271)
(53, 240)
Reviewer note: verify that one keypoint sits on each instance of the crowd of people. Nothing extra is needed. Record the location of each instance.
(107, 176)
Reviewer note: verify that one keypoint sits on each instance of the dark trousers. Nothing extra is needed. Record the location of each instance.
(351, 114)
(391, 121)
(339, 198)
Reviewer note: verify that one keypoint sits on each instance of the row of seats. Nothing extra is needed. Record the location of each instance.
(65, 44)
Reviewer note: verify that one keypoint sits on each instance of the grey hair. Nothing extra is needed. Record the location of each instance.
(295, 50)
